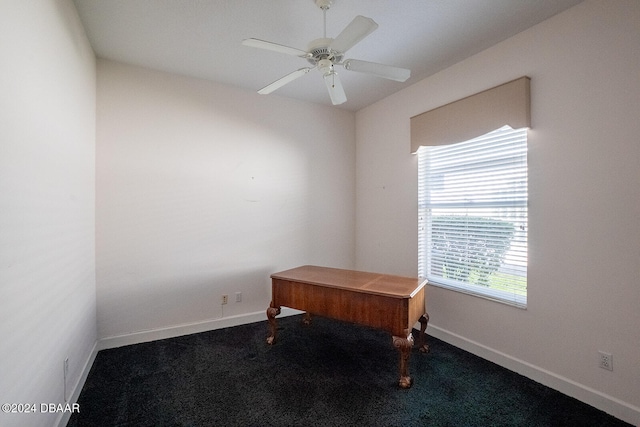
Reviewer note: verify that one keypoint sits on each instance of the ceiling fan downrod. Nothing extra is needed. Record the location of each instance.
(324, 5)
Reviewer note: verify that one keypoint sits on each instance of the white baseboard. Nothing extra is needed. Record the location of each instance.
(63, 419)
(609, 404)
(187, 329)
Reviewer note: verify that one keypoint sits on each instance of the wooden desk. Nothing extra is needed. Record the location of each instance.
(391, 303)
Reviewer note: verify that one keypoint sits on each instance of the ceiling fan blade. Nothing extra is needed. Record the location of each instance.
(261, 44)
(284, 80)
(380, 70)
(336, 91)
(358, 29)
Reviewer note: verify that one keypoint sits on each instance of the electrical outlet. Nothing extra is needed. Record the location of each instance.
(606, 360)
(225, 299)
(238, 296)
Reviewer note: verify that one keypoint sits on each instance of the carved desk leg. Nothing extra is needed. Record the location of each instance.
(306, 319)
(423, 347)
(272, 312)
(404, 346)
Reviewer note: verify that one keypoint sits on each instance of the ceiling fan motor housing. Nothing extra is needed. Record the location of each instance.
(319, 50)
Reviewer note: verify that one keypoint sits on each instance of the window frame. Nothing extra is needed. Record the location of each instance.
(424, 245)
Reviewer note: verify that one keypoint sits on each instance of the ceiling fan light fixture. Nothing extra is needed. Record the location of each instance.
(325, 66)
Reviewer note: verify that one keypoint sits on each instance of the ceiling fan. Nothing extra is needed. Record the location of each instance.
(325, 53)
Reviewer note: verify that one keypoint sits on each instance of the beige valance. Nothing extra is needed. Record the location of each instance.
(475, 115)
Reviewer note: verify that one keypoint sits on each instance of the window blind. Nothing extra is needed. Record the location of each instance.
(472, 199)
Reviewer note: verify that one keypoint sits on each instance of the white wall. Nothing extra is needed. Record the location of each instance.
(47, 204)
(204, 190)
(584, 203)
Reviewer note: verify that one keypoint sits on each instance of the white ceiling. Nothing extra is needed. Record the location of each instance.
(201, 38)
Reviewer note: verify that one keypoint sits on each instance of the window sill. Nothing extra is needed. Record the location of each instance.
(508, 298)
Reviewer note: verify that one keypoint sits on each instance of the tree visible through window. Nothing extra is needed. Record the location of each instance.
(473, 215)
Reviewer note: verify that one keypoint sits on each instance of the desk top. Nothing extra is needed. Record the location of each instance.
(357, 281)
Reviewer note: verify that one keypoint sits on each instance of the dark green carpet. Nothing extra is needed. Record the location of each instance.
(327, 374)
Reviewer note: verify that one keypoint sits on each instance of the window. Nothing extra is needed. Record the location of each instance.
(472, 201)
